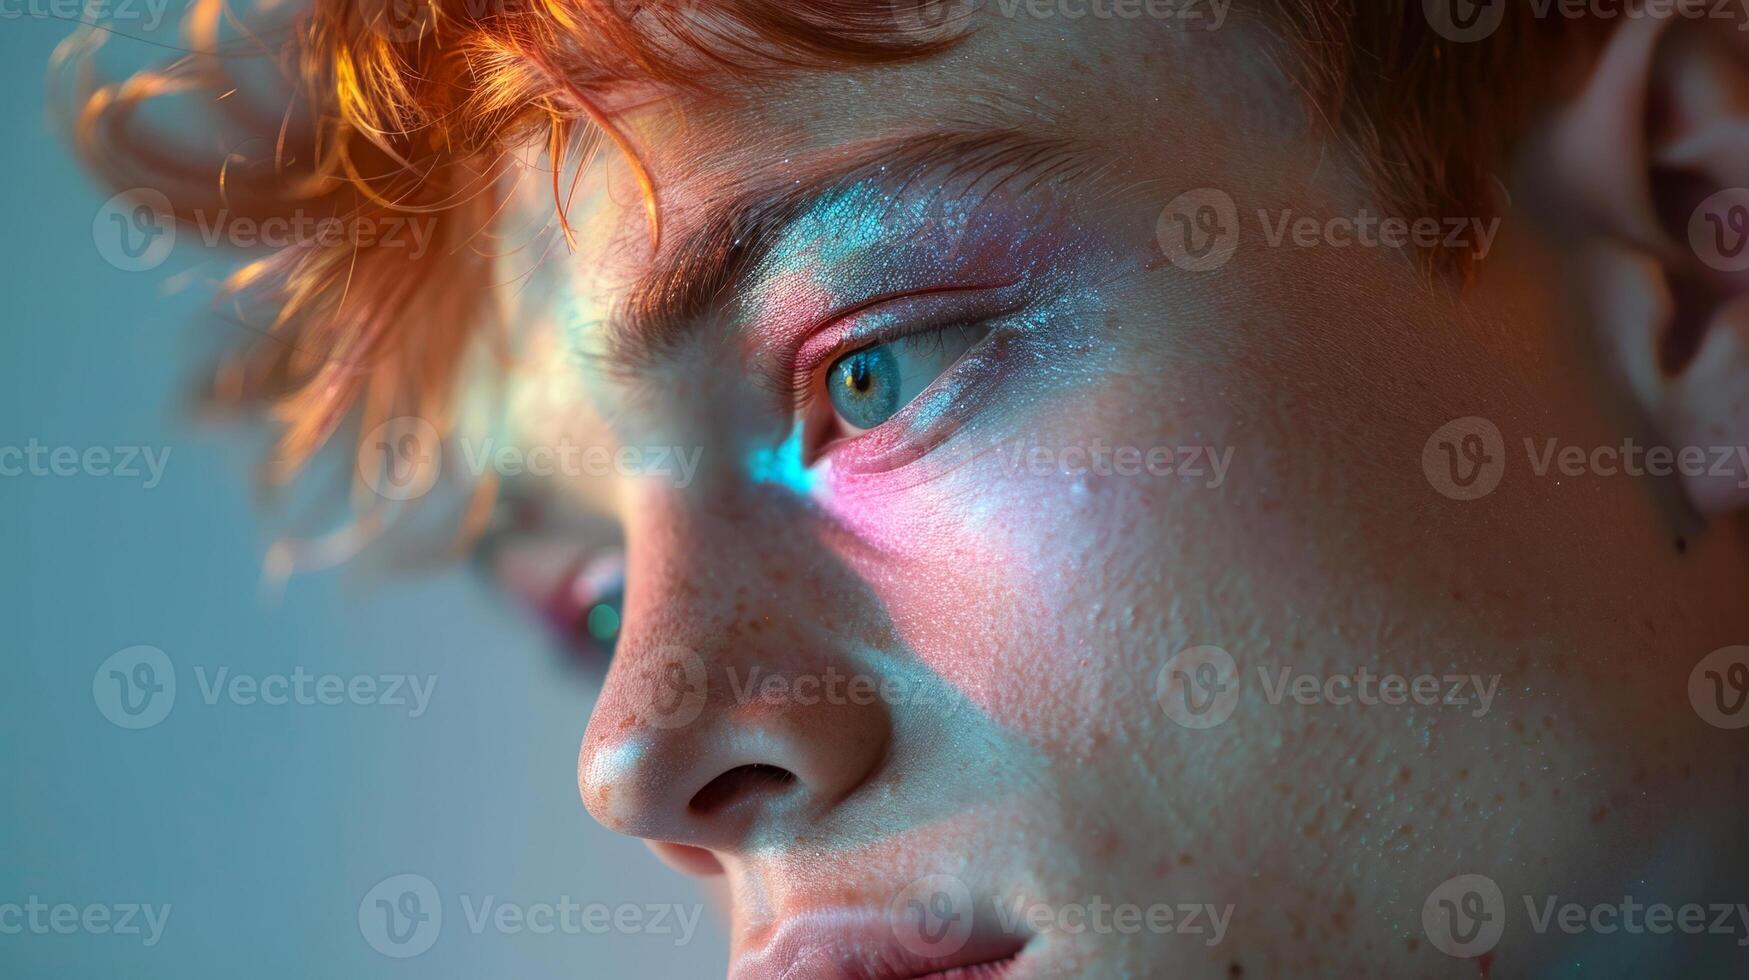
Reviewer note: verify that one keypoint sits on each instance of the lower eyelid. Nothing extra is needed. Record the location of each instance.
(946, 404)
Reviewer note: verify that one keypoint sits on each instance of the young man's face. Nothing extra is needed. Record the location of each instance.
(1048, 545)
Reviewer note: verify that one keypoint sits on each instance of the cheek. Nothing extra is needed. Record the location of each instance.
(1042, 573)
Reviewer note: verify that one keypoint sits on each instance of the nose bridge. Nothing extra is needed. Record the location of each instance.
(734, 607)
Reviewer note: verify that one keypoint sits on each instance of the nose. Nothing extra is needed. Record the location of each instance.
(732, 714)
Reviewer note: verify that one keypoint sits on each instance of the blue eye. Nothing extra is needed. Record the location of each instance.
(869, 386)
(864, 386)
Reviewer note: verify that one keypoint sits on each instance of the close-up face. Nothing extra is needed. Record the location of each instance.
(1199, 492)
(995, 474)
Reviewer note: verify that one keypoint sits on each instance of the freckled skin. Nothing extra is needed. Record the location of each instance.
(1047, 605)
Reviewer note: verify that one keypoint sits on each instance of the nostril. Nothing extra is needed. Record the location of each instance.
(753, 780)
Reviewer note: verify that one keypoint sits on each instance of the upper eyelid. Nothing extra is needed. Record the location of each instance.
(892, 318)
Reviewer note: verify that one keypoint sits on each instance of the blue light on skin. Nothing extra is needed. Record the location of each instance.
(782, 465)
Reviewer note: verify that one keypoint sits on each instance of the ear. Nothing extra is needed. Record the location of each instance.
(1649, 165)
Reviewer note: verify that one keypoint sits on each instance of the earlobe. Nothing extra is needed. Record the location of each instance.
(1649, 167)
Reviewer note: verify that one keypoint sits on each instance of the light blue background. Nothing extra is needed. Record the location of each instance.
(263, 827)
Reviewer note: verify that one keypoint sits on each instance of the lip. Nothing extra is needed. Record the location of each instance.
(851, 944)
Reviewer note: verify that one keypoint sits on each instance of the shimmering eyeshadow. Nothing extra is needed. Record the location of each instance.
(865, 386)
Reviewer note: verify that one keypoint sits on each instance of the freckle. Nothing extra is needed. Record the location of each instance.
(1404, 776)
(1463, 774)
(1235, 970)
(1184, 859)
(1458, 595)
(627, 722)
(1517, 727)
(1107, 843)
(1162, 867)
(1598, 814)
(1414, 944)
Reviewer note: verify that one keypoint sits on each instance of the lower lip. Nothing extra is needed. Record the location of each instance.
(852, 945)
(995, 970)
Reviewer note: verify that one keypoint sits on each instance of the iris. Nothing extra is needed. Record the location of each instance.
(865, 386)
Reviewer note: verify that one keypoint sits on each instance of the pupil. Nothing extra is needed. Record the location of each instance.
(859, 375)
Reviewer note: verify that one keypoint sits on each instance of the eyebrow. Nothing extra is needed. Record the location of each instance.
(704, 268)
